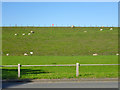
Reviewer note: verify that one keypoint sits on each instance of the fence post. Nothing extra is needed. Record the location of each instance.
(77, 69)
(18, 70)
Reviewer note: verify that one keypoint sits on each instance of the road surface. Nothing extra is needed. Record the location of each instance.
(76, 84)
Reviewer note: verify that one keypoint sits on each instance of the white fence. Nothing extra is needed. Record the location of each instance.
(77, 66)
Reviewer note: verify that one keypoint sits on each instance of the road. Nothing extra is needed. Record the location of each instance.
(80, 84)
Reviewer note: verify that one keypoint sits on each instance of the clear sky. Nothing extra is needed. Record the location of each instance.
(60, 13)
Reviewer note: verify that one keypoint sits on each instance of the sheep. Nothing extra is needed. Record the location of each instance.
(32, 31)
(72, 26)
(29, 33)
(111, 28)
(16, 34)
(25, 54)
(23, 34)
(7, 54)
(31, 53)
(95, 54)
(85, 31)
(117, 54)
(101, 29)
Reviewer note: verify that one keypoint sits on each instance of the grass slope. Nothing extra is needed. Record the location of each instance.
(60, 41)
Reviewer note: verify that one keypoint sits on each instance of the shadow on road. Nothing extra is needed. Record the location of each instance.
(10, 76)
(8, 84)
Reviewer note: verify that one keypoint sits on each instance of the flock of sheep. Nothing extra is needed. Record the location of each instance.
(25, 54)
(24, 33)
(31, 53)
(86, 31)
(102, 29)
(95, 54)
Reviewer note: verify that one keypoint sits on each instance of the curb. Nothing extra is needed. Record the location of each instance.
(61, 80)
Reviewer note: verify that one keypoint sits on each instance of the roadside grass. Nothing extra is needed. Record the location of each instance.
(60, 72)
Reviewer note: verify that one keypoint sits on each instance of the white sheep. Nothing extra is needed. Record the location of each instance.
(7, 54)
(29, 33)
(23, 34)
(16, 34)
(32, 31)
(101, 29)
(72, 26)
(31, 53)
(85, 31)
(111, 28)
(117, 54)
(25, 54)
(95, 54)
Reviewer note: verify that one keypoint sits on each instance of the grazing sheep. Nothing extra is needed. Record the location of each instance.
(101, 29)
(85, 31)
(95, 54)
(7, 54)
(31, 53)
(16, 34)
(23, 34)
(29, 33)
(117, 54)
(25, 54)
(111, 28)
(72, 26)
(32, 31)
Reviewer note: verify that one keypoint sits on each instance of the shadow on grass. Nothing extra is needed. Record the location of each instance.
(13, 73)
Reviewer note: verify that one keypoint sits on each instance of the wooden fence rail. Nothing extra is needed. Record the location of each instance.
(77, 66)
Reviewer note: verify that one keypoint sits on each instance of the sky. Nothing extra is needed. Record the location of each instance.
(60, 13)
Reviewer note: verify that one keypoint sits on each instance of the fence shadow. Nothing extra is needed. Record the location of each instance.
(8, 84)
(13, 73)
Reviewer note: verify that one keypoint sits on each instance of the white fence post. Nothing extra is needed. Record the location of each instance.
(18, 70)
(77, 69)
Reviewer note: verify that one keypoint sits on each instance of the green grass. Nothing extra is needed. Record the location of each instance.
(42, 60)
(60, 72)
(60, 41)
(60, 46)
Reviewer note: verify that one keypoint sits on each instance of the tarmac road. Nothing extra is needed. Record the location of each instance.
(62, 84)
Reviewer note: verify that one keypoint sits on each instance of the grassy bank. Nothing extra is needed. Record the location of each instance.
(60, 41)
